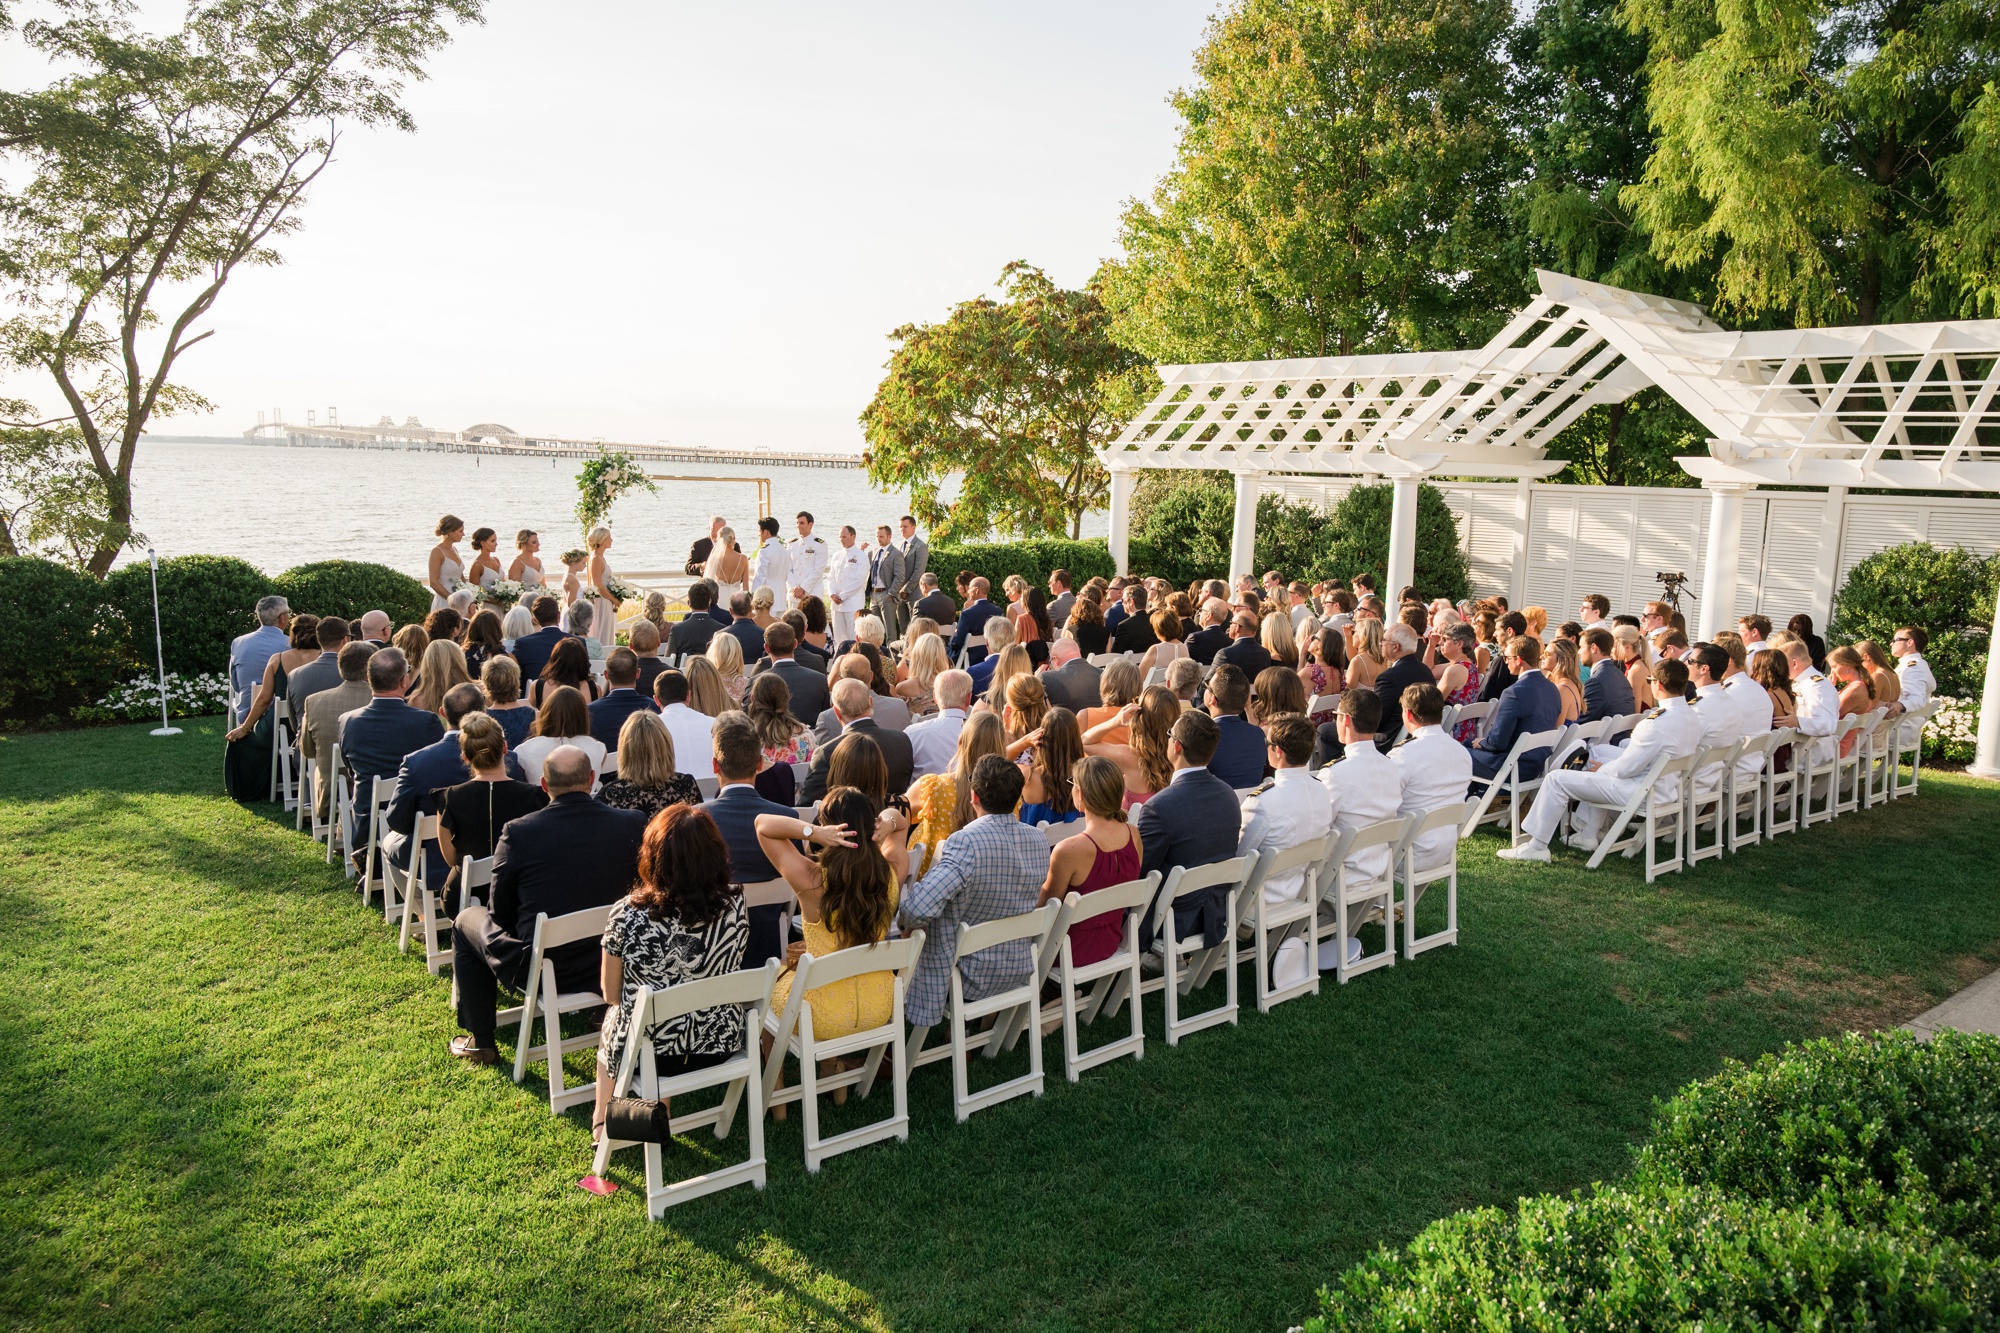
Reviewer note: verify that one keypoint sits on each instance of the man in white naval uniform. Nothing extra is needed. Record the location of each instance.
(1367, 789)
(846, 585)
(1670, 731)
(1753, 706)
(773, 561)
(1436, 770)
(808, 556)
(1721, 718)
(1818, 702)
(1914, 672)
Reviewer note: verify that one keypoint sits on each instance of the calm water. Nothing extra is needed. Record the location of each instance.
(282, 507)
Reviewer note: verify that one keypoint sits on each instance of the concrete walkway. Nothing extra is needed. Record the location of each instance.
(1974, 1009)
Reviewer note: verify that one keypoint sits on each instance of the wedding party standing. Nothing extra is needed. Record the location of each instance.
(446, 569)
(604, 621)
(527, 567)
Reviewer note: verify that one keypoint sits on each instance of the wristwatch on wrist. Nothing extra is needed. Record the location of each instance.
(807, 835)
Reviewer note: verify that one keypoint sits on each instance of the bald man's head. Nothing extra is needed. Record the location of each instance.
(566, 769)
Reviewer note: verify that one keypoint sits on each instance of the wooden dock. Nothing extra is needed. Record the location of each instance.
(420, 440)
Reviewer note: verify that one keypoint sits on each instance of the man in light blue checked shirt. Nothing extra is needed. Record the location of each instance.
(991, 868)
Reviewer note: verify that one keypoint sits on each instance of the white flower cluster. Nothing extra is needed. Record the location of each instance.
(187, 696)
(1953, 730)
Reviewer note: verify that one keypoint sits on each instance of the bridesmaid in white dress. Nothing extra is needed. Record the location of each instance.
(485, 569)
(527, 567)
(445, 569)
(728, 568)
(604, 615)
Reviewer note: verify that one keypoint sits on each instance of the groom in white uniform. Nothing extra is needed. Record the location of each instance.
(772, 562)
(846, 585)
(808, 557)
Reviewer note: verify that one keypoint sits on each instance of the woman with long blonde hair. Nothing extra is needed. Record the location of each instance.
(706, 692)
(1275, 633)
(1560, 661)
(443, 667)
(1630, 650)
(1364, 654)
(941, 803)
(604, 617)
(1013, 662)
(725, 654)
(922, 665)
(1143, 760)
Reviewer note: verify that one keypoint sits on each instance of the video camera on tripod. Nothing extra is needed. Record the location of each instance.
(1675, 584)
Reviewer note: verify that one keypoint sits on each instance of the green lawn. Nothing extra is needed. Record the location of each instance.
(225, 1099)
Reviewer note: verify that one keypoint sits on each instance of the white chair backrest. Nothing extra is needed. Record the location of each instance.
(747, 986)
(767, 893)
(1382, 833)
(1112, 898)
(1308, 853)
(475, 872)
(1615, 727)
(1430, 821)
(1026, 926)
(427, 828)
(1189, 879)
(807, 812)
(556, 931)
(897, 955)
(709, 786)
(382, 791)
(1055, 833)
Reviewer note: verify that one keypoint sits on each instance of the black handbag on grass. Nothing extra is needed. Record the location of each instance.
(638, 1120)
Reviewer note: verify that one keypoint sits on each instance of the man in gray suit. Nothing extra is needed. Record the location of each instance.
(885, 580)
(322, 673)
(916, 560)
(1062, 598)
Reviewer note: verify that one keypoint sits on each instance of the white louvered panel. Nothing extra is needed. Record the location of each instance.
(1977, 530)
(1551, 543)
(1670, 532)
(1603, 547)
(1488, 531)
(1751, 558)
(1868, 528)
(1791, 555)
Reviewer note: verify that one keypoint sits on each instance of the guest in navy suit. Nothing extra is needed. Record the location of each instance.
(1213, 636)
(531, 651)
(607, 715)
(1195, 821)
(1532, 703)
(1606, 692)
(1239, 747)
(972, 618)
(1406, 668)
(742, 628)
(423, 775)
(1244, 652)
(376, 739)
(735, 808)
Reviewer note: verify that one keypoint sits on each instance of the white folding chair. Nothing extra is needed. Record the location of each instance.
(1271, 924)
(1614, 727)
(1004, 1008)
(1816, 777)
(1347, 891)
(1746, 790)
(475, 881)
(1878, 760)
(1195, 955)
(304, 810)
(400, 887)
(1113, 981)
(800, 772)
(1654, 813)
(279, 789)
(1415, 877)
(1781, 790)
(794, 1036)
(1706, 801)
(1480, 713)
(1909, 740)
(743, 1073)
(965, 651)
(423, 908)
(382, 793)
(336, 806)
(1055, 833)
(1848, 774)
(1156, 676)
(709, 786)
(1508, 778)
(546, 1000)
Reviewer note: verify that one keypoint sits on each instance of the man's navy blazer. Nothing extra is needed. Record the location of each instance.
(1239, 752)
(607, 715)
(531, 652)
(1532, 703)
(1194, 822)
(417, 783)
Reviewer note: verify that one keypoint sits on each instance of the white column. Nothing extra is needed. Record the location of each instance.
(1121, 516)
(1725, 551)
(1402, 538)
(1986, 763)
(1524, 512)
(1243, 535)
(1832, 525)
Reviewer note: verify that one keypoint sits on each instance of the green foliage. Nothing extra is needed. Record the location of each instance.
(1185, 532)
(1812, 154)
(1884, 1130)
(1949, 591)
(347, 588)
(1666, 1260)
(52, 501)
(1012, 398)
(1633, 443)
(151, 168)
(601, 481)
(1360, 527)
(1341, 186)
(61, 646)
(205, 601)
(1032, 560)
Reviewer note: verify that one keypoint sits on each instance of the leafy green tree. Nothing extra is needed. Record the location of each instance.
(1950, 591)
(52, 502)
(154, 167)
(1360, 529)
(1340, 187)
(1014, 396)
(1832, 159)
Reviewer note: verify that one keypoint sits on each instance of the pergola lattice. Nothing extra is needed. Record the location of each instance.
(1900, 407)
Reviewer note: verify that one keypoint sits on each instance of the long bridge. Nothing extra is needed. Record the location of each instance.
(488, 437)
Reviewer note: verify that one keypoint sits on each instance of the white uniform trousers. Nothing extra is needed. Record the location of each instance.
(843, 620)
(1560, 788)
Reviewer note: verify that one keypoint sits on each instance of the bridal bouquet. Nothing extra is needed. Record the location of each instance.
(621, 591)
(504, 593)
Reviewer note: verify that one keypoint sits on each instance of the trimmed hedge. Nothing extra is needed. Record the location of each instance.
(1886, 1131)
(1681, 1259)
(347, 588)
(1946, 589)
(1032, 560)
(62, 645)
(205, 601)
(1846, 1183)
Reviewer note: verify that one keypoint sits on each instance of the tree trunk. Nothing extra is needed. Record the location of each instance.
(1614, 422)
(117, 518)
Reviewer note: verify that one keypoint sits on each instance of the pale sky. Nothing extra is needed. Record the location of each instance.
(697, 222)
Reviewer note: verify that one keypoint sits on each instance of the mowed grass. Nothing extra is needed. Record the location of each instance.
(225, 1100)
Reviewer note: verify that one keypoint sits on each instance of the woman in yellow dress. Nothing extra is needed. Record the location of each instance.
(847, 898)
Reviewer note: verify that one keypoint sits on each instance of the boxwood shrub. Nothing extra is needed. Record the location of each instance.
(1033, 560)
(205, 601)
(347, 588)
(1664, 1259)
(1946, 589)
(62, 645)
(1883, 1129)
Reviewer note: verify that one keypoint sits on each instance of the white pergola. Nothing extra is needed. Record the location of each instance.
(1890, 406)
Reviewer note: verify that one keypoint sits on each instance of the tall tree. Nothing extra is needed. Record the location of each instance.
(1015, 396)
(1824, 156)
(1340, 187)
(151, 170)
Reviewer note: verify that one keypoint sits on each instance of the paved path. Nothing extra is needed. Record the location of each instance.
(1974, 1009)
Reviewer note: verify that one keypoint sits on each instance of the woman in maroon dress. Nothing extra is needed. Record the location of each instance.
(1105, 853)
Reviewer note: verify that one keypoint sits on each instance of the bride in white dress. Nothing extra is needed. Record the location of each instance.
(728, 568)
(604, 613)
(527, 567)
(445, 568)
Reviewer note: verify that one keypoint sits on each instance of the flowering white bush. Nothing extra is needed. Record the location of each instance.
(187, 696)
(1953, 730)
